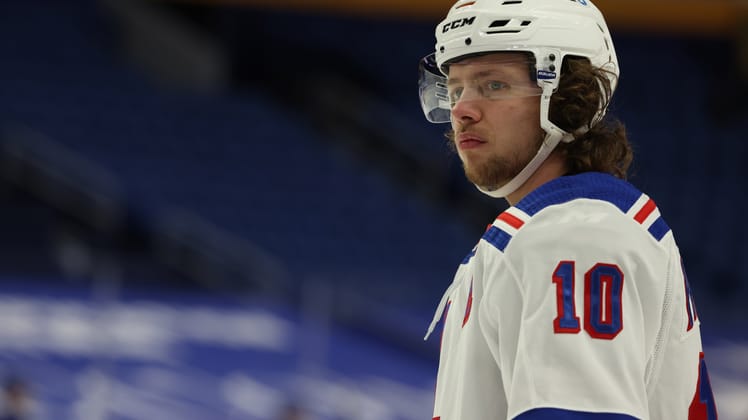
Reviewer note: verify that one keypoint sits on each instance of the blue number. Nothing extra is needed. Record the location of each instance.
(567, 321)
(603, 300)
(703, 406)
(706, 392)
(603, 308)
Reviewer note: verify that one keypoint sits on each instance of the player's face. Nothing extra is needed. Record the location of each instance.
(495, 138)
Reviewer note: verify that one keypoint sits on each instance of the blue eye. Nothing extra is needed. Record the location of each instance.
(495, 85)
(454, 95)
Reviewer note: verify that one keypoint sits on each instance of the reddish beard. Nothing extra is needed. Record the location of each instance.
(493, 172)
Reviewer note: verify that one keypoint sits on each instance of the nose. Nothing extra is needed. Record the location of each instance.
(466, 111)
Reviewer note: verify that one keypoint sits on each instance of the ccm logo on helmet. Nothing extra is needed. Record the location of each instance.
(459, 23)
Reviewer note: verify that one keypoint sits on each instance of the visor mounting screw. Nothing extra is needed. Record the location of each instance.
(441, 49)
(552, 57)
(552, 67)
(468, 41)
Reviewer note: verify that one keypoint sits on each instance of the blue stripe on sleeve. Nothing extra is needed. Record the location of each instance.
(558, 414)
(468, 257)
(497, 238)
(659, 228)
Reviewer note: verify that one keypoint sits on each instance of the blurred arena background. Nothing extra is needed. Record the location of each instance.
(233, 209)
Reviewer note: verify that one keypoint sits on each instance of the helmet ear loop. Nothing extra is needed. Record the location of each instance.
(553, 133)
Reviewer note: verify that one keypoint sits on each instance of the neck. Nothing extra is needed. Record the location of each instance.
(553, 167)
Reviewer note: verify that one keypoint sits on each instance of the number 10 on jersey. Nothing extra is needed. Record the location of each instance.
(603, 310)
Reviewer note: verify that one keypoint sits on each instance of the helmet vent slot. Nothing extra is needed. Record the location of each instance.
(511, 2)
(507, 26)
(498, 23)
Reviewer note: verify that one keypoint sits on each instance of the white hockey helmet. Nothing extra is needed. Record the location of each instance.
(549, 30)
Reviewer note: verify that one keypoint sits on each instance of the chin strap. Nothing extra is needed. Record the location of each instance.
(553, 137)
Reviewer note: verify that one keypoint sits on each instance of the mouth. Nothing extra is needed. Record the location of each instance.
(466, 141)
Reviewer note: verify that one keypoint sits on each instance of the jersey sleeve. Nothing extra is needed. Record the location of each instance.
(571, 312)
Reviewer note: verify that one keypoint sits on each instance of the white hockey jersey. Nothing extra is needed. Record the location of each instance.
(573, 305)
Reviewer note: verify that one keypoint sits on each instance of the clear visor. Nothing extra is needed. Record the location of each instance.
(472, 80)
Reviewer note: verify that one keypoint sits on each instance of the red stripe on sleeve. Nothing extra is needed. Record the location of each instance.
(645, 211)
(511, 220)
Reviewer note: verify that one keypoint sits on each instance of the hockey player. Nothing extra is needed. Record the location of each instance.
(574, 304)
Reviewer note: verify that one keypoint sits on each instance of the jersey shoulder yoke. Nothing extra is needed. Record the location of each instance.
(593, 186)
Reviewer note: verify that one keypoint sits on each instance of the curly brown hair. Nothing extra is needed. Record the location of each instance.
(582, 90)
